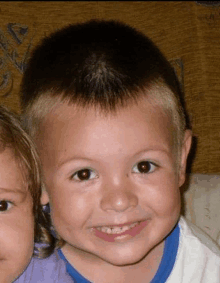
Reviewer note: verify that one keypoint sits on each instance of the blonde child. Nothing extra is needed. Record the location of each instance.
(19, 186)
(24, 230)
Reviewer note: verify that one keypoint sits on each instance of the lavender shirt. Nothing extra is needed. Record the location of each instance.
(48, 270)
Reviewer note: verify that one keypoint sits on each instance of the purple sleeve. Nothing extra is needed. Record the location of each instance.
(49, 270)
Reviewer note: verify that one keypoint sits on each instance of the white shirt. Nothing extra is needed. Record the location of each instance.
(198, 257)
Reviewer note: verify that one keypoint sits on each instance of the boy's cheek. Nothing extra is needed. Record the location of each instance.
(167, 203)
(66, 207)
(73, 214)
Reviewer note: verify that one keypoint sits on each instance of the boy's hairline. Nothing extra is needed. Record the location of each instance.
(37, 111)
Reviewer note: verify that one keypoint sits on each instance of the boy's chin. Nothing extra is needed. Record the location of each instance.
(124, 261)
(116, 257)
(129, 256)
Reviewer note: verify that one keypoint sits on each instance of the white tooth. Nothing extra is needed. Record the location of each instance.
(109, 231)
(132, 225)
(104, 229)
(116, 230)
(120, 230)
(125, 228)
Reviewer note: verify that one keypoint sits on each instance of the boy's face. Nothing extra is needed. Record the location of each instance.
(112, 181)
(16, 219)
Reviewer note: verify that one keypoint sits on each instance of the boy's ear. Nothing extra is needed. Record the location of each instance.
(44, 196)
(184, 154)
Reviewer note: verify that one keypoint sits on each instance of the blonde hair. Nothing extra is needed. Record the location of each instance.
(14, 137)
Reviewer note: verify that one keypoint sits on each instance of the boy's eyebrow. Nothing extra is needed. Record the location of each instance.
(161, 150)
(77, 157)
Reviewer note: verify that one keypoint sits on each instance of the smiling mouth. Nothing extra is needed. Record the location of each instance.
(116, 229)
(120, 233)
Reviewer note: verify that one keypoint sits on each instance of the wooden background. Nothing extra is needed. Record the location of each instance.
(188, 33)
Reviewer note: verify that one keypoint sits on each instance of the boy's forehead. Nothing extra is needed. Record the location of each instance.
(67, 114)
(66, 118)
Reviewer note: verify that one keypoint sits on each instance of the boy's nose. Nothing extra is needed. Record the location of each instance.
(119, 200)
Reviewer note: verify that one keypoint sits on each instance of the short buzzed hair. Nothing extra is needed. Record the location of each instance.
(106, 64)
(101, 62)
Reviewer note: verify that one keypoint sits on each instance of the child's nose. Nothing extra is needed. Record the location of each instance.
(119, 200)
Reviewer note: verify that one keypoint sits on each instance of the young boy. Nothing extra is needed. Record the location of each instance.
(104, 108)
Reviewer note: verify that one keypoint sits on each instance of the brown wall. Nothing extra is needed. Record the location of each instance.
(188, 33)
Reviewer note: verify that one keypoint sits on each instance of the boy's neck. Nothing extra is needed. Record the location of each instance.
(99, 271)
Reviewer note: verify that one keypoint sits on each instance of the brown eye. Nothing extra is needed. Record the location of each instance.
(144, 167)
(4, 205)
(84, 175)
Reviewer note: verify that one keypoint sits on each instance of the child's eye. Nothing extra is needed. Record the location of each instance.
(144, 167)
(84, 175)
(5, 205)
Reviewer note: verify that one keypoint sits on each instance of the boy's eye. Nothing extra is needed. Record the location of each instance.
(84, 175)
(144, 167)
(5, 205)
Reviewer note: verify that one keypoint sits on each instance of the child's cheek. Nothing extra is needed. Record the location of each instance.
(163, 197)
(71, 212)
(16, 243)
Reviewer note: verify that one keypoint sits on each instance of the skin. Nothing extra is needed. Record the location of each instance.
(16, 219)
(112, 147)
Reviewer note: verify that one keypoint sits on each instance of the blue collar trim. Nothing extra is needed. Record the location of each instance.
(78, 278)
(169, 256)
